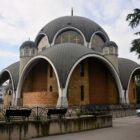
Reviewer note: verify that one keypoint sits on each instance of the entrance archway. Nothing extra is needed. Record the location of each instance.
(101, 82)
(134, 87)
(7, 85)
(38, 85)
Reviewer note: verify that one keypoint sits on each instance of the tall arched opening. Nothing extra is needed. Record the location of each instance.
(92, 82)
(39, 85)
(134, 87)
(7, 87)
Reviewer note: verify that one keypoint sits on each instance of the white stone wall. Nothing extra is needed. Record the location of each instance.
(111, 53)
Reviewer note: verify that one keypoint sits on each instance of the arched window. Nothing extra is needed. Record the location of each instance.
(33, 51)
(43, 44)
(97, 43)
(69, 36)
(26, 51)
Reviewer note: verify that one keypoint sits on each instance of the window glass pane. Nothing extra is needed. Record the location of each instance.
(69, 37)
(27, 51)
(97, 43)
(43, 44)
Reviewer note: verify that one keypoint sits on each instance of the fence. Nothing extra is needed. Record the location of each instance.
(41, 113)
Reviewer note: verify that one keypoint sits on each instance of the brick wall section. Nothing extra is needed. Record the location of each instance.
(74, 88)
(102, 89)
(99, 85)
(113, 93)
(52, 81)
(27, 86)
(102, 86)
(39, 77)
(132, 92)
(40, 98)
(97, 82)
(36, 88)
(7, 100)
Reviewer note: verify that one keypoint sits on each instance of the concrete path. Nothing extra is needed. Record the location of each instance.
(127, 128)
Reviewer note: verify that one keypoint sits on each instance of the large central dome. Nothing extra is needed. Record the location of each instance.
(86, 26)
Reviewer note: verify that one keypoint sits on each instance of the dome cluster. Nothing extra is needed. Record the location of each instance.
(86, 27)
(70, 29)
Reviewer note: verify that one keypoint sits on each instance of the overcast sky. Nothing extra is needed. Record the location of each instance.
(23, 19)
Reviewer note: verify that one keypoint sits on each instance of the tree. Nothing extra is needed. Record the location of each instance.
(134, 21)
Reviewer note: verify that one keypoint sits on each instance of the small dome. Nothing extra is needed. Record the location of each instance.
(85, 25)
(28, 44)
(110, 44)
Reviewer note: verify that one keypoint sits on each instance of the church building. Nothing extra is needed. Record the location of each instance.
(71, 62)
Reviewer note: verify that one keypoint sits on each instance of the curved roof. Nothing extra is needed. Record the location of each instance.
(13, 69)
(64, 56)
(110, 44)
(28, 44)
(86, 26)
(126, 67)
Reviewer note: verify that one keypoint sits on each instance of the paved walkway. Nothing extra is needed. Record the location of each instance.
(127, 128)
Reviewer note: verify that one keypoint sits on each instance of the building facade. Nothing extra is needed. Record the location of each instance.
(71, 62)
